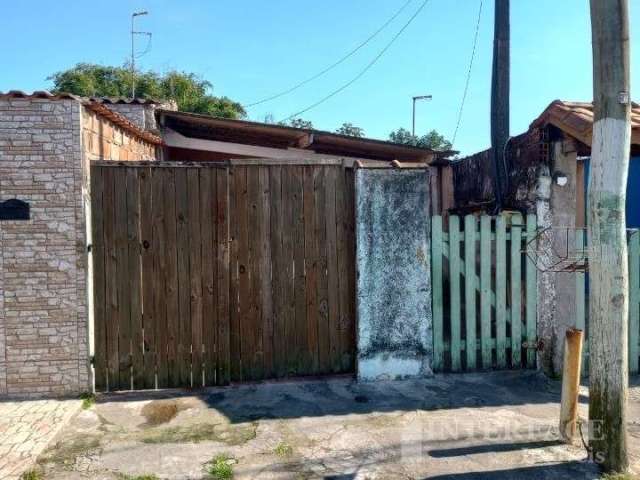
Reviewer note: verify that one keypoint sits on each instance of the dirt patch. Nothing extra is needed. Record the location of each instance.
(158, 412)
(228, 434)
(66, 451)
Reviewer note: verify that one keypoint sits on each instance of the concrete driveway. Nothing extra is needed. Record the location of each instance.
(499, 425)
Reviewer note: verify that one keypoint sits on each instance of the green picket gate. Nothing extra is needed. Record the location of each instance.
(484, 292)
(582, 302)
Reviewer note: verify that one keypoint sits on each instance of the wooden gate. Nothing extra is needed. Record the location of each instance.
(209, 274)
(484, 293)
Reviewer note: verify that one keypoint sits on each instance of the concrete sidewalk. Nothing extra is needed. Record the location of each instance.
(492, 425)
(26, 428)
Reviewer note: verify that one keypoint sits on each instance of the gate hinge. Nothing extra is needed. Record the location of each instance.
(92, 360)
(534, 345)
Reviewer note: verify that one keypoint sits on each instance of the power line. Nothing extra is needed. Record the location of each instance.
(365, 69)
(466, 85)
(333, 65)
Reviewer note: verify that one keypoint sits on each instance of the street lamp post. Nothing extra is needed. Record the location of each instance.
(419, 97)
(133, 57)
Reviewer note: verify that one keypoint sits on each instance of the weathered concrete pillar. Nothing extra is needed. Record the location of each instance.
(557, 290)
(394, 322)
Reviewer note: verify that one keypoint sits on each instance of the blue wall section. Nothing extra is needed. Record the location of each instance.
(633, 191)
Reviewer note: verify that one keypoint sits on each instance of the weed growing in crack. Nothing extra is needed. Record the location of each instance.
(283, 449)
(32, 475)
(220, 467)
(123, 476)
(88, 400)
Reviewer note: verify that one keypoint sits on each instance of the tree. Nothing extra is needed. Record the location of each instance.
(432, 140)
(350, 130)
(188, 90)
(608, 269)
(298, 123)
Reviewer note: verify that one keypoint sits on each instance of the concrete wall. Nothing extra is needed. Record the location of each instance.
(557, 290)
(394, 323)
(44, 347)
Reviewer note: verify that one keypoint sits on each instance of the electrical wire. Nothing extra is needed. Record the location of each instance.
(468, 80)
(365, 69)
(333, 65)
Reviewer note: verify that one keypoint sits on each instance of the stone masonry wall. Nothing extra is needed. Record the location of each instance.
(44, 314)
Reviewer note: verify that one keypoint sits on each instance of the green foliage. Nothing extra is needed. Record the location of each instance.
(32, 475)
(283, 449)
(432, 140)
(220, 467)
(618, 476)
(188, 90)
(298, 123)
(88, 400)
(138, 477)
(350, 130)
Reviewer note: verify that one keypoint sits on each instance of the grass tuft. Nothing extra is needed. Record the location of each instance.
(88, 400)
(32, 475)
(283, 449)
(618, 476)
(220, 467)
(146, 476)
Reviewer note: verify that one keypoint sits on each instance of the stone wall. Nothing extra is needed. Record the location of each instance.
(44, 347)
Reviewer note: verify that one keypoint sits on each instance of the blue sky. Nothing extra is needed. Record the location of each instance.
(250, 49)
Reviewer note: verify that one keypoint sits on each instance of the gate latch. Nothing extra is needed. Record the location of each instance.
(534, 345)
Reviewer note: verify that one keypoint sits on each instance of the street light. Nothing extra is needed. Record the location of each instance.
(419, 97)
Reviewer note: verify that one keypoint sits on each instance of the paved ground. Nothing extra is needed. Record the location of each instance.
(26, 428)
(458, 427)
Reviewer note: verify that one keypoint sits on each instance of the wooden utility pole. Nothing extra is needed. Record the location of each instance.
(500, 97)
(608, 272)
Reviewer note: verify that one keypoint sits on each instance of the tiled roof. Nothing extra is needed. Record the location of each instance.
(94, 105)
(121, 100)
(576, 119)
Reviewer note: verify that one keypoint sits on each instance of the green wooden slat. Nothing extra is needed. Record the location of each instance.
(485, 289)
(470, 287)
(454, 290)
(634, 298)
(531, 292)
(436, 286)
(516, 321)
(501, 292)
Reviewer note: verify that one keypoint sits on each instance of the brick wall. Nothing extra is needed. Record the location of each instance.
(44, 347)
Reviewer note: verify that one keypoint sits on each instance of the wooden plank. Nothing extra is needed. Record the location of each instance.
(501, 291)
(349, 365)
(122, 266)
(299, 362)
(148, 315)
(278, 280)
(252, 334)
(170, 337)
(580, 287)
(320, 234)
(470, 289)
(161, 302)
(135, 276)
(455, 300)
(438, 305)
(634, 300)
(515, 276)
(335, 343)
(111, 286)
(311, 269)
(245, 335)
(223, 362)
(98, 255)
(236, 186)
(531, 293)
(195, 276)
(580, 195)
(485, 290)
(180, 365)
(342, 246)
(208, 243)
(266, 294)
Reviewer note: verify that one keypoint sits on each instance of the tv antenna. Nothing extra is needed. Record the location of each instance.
(133, 52)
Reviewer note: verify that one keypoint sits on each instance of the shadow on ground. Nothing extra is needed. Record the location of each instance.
(345, 396)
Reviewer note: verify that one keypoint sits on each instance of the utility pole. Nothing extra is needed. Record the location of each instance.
(413, 123)
(133, 53)
(500, 97)
(608, 270)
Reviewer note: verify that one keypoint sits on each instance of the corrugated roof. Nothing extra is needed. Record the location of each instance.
(280, 136)
(576, 119)
(93, 105)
